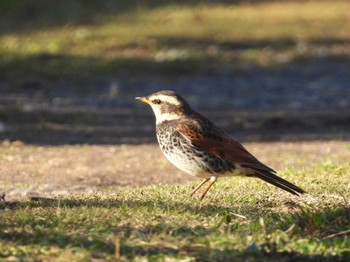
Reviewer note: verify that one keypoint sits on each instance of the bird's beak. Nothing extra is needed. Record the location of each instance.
(142, 99)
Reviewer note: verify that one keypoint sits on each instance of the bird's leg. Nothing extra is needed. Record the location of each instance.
(199, 186)
(213, 180)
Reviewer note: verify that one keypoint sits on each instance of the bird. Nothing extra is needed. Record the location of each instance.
(192, 143)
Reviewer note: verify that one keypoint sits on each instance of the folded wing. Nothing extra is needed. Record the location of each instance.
(210, 139)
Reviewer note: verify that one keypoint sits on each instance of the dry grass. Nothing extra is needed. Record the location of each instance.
(237, 220)
(102, 202)
(43, 170)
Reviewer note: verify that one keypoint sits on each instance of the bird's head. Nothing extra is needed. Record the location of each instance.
(166, 105)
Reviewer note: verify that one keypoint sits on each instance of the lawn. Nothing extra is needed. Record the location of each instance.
(96, 198)
(240, 218)
(166, 39)
(237, 220)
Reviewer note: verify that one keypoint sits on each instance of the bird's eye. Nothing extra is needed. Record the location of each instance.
(156, 101)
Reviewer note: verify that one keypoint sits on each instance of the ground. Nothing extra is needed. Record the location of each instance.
(48, 171)
(81, 174)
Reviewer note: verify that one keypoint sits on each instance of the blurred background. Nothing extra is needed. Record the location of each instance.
(262, 70)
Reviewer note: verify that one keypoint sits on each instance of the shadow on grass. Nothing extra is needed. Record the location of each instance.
(49, 66)
(308, 222)
(281, 44)
(300, 212)
(31, 15)
(102, 248)
(55, 66)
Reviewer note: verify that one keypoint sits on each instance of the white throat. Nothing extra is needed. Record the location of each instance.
(165, 117)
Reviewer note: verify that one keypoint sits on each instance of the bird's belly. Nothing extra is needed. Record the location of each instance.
(197, 163)
(198, 167)
(185, 162)
(190, 159)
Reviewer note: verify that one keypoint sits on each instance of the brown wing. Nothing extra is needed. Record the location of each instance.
(210, 139)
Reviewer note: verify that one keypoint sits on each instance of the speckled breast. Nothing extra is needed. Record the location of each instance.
(181, 153)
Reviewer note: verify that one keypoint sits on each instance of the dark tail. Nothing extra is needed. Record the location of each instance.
(275, 180)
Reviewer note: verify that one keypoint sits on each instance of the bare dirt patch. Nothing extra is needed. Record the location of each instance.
(60, 170)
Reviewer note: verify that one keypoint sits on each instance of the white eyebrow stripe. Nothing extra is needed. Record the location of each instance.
(168, 99)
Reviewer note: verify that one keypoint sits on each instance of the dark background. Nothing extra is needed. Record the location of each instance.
(56, 97)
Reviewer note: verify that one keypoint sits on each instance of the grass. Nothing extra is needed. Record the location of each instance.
(168, 39)
(239, 219)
